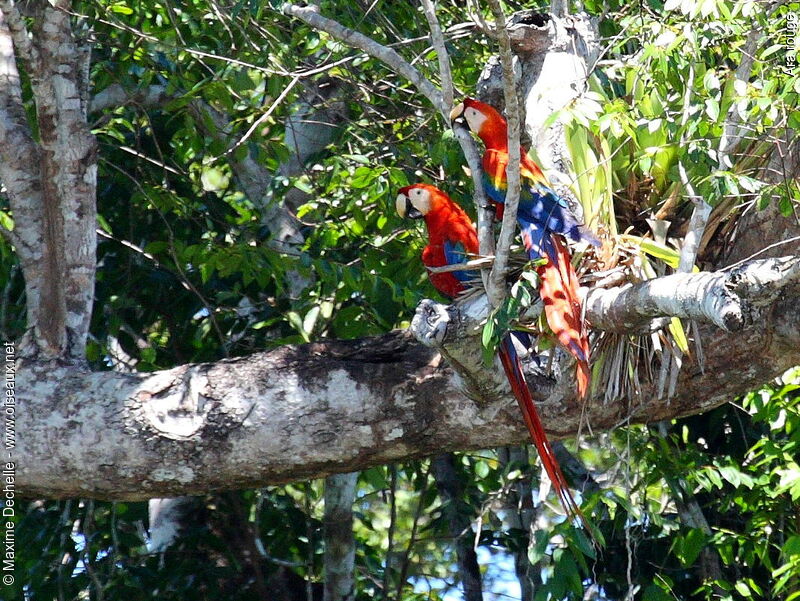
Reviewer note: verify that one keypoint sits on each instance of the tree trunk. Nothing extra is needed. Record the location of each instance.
(340, 546)
(51, 184)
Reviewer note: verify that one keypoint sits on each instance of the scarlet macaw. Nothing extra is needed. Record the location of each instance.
(543, 217)
(451, 239)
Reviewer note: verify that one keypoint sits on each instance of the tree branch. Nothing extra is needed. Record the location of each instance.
(59, 317)
(458, 523)
(731, 300)
(19, 162)
(313, 410)
(705, 296)
(340, 546)
(28, 53)
(437, 41)
(496, 291)
(310, 15)
(115, 96)
(702, 210)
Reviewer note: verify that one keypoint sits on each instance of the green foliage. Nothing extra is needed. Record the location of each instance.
(505, 317)
(668, 95)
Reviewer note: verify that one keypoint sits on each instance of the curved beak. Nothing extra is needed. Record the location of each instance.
(405, 208)
(457, 112)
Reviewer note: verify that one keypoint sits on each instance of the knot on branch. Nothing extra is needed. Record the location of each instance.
(530, 32)
(761, 282)
(430, 322)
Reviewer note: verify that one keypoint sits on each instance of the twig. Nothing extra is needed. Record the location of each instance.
(437, 41)
(265, 116)
(479, 263)
(486, 245)
(496, 289)
(702, 210)
(405, 562)
(761, 252)
(310, 15)
(475, 14)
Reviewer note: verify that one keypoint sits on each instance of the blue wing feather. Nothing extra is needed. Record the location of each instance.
(454, 253)
(541, 210)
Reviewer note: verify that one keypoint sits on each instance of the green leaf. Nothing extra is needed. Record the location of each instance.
(678, 334)
(297, 323)
(653, 592)
(121, 9)
(670, 256)
(688, 546)
(363, 177)
(712, 109)
(743, 589)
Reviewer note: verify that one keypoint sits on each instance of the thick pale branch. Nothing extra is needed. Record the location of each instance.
(59, 312)
(729, 299)
(20, 173)
(702, 296)
(19, 154)
(15, 22)
(309, 411)
(732, 301)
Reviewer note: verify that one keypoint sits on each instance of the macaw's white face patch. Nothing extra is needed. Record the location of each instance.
(420, 199)
(475, 119)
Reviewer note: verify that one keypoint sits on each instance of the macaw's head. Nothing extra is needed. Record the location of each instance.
(484, 120)
(418, 200)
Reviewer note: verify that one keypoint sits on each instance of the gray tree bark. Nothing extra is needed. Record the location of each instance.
(340, 545)
(50, 184)
(313, 410)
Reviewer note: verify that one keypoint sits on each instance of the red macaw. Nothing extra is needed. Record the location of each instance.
(544, 217)
(451, 239)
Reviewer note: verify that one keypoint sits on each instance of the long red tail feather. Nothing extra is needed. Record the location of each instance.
(558, 287)
(516, 378)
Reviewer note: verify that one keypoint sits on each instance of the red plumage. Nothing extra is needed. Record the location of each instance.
(558, 288)
(544, 218)
(449, 226)
(519, 386)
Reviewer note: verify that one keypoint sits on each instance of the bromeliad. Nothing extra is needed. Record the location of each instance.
(451, 240)
(544, 218)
